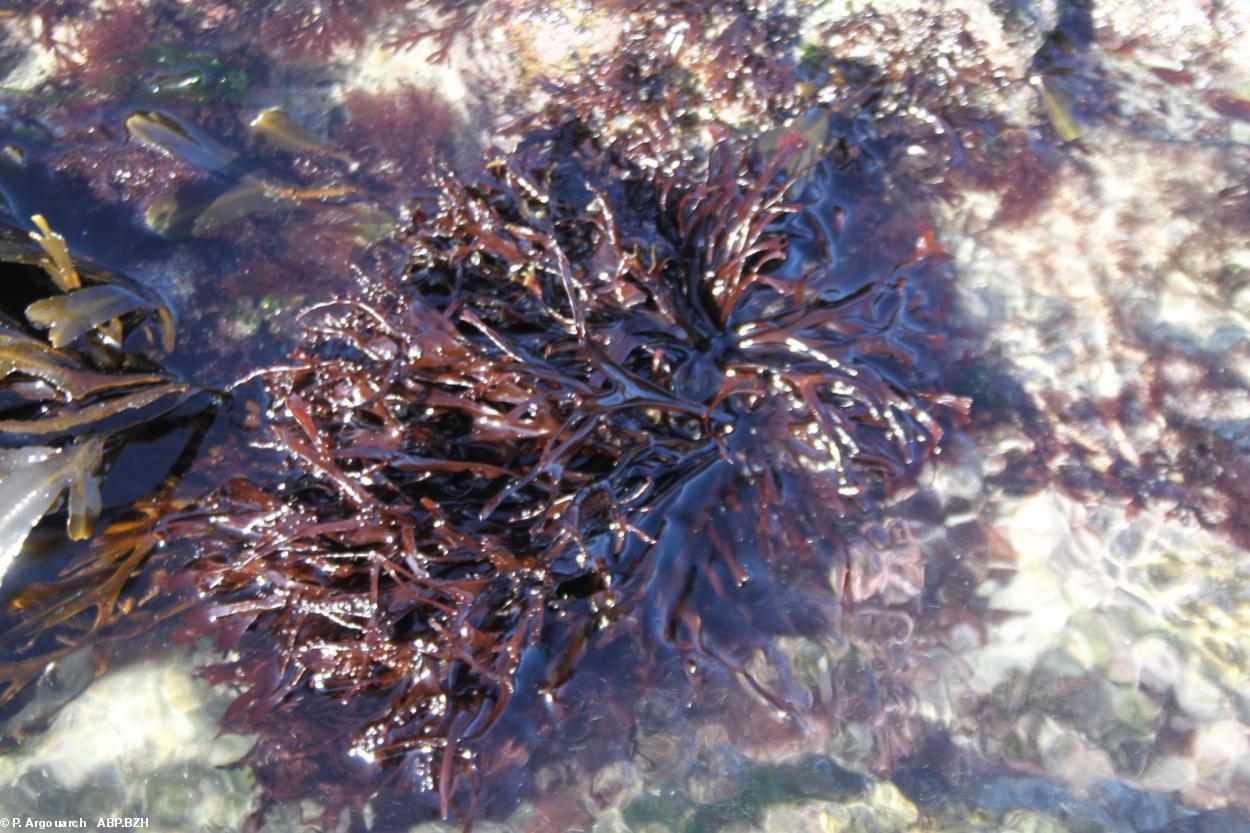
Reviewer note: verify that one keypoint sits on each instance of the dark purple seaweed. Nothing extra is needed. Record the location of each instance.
(596, 402)
(637, 388)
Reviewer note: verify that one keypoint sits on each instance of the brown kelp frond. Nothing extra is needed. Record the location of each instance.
(218, 192)
(97, 580)
(31, 480)
(57, 261)
(273, 128)
(66, 317)
(68, 420)
(110, 590)
(74, 396)
(593, 399)
(73, 310)
(178, 138)
(67, 380)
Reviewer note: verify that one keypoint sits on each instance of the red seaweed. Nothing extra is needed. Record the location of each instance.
(595, 403)
(395, 134)
(620, 418)
(306, 32)
(627, 418)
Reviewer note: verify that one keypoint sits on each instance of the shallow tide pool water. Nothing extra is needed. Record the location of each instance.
(1043, 626)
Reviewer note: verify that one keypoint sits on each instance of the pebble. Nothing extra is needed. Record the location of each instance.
(1168, 774)
(139, 719)
(142, 740)
(1159, 667)
(614, 784)
(817, 817)
(1198, 697)
(1027, 821)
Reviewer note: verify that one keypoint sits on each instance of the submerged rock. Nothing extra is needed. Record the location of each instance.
(139, 741)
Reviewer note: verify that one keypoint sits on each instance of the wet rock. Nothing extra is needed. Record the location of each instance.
(882, 809)
(140, 719)
(818, 817)
(614, 784)
(1198, 697)
(662, 752)
(610, 822)
(1160, 667)
(656, 811)
(718, 774)
(1136, 808)
(1169, 773)
(1039, 796)
(819, 777)
(853, 746)
(140, 741)
(1027, 821)
(1066, 752)
(1211, 822)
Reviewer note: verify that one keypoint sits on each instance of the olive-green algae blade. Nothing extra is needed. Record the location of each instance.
(66, 317)
(31, 480)
(167, 134)
(276, 129)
